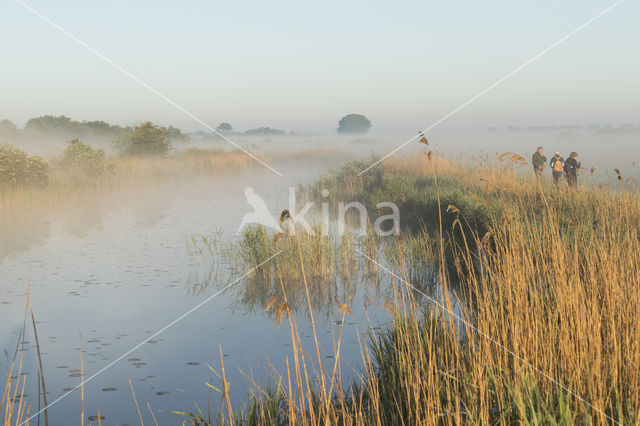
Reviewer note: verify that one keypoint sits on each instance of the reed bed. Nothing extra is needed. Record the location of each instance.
(547, 332)
(325, 255)
(329, 262)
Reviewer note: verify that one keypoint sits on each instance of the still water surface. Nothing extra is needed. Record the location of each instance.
(108, 271)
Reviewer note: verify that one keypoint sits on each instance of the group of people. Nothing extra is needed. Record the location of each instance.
(559, 167)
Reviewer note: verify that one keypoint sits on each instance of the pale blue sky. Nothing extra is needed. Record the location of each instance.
(301, 66)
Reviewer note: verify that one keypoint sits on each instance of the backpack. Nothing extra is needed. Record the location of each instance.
(558, 166)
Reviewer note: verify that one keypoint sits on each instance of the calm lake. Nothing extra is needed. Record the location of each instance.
(108, 271)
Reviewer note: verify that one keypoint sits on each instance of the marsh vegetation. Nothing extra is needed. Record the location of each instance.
(545, 329)
(505, 301)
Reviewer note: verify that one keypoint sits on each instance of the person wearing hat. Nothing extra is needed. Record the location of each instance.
(538, 160)
(557, 167)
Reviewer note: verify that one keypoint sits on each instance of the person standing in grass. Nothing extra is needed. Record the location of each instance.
(557, 167)
(571, 167)
(538, 160)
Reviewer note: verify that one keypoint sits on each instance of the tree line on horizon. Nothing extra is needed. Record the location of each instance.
(18, 168)
(64, 128)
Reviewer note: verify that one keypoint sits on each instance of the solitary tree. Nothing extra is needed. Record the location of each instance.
(354, 123)
(224, 128)
(145, 139)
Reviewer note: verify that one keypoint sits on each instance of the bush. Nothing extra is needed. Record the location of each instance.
(145, 139)
(17, 168)
(84, 158)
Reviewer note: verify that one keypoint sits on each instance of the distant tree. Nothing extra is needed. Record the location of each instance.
(87, 160)
(354, 123)
(145, 139)
(175, 134)
(17, 168)
(98, 126)
(265, 131)
(51, 125)
(8, 131)
(224, 128)
(63, 127)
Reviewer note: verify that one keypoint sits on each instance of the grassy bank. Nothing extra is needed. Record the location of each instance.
(548, 332)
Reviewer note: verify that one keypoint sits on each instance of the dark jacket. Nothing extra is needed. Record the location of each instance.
(571, 166)
(538, 161)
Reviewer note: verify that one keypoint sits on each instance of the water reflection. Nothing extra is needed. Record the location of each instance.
(336, 278)
(21, 230)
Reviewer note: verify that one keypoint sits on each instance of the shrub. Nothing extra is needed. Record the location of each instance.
(145, 139)
(17, 168)
(84, 158)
